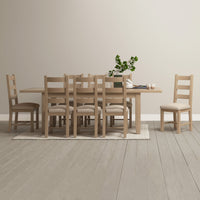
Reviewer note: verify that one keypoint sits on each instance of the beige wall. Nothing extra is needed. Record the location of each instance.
(53, 37)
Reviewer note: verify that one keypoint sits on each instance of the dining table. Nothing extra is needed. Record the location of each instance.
(131, 93)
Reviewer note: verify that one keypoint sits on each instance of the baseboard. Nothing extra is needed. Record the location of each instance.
(144, 117)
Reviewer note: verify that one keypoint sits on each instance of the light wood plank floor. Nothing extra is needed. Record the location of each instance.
(166, 167)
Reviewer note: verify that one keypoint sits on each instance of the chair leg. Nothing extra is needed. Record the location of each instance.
(32, 121)
(78, 124)
(75, 125)
(54, 121)
(67, 125)
(85, 121)
(51, 121)
(99, 123)
(178, 122)
(130, 117)
(190, 119)
(175, 120)
(64, 118)
(125, 124)
(16, 120)
(81, 120)
(111, 121)
(88, 120)
(104, 125)
(37, 118)
(72, 121)
(96, 126)
(60, 121)
(161, 120)
(10, 121)
(47, 125)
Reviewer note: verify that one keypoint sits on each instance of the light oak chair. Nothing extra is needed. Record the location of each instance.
(71, 101)
(176, 107)
(82, 96)
(91, 85)
(56, 93)
(129, 105)
(116, 97)
(20, 107)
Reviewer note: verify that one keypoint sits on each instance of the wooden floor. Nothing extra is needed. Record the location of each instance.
(165, 167)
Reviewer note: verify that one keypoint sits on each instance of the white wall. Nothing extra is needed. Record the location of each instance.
(53, 37)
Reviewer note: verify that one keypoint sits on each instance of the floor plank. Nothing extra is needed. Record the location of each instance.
(142, 176)
(166, 167)
(190, 148)
(179, 180)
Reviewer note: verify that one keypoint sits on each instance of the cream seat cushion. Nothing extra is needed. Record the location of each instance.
(175, 106)
(115, 108)
(87, 109)
(59, 109)
(129, 104)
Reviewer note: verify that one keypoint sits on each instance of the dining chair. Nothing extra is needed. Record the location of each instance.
(56, 93)
(178, 107)
(62, 119)
(129, 105)
(117, 98)
(84, 95)
(91, 85)
(16, 107)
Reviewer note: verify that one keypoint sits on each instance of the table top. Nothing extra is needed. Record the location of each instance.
(129, 90)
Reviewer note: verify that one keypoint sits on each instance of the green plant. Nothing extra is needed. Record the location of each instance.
(120, 66)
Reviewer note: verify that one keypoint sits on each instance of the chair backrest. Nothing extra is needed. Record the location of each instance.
(71, 79)
(114, 95)
(99, 81)
(12, 89)
(85, 94)
(179, 88)
(56, 90)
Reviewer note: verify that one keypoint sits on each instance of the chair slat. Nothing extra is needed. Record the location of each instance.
(183, 96)
(56, 90)
(55, 79)
(85, 90)
(183, 87)
(85, 79)
(13, 97)
(56, 100)
(183, 77)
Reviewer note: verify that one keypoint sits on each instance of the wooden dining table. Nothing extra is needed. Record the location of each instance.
(131, 93)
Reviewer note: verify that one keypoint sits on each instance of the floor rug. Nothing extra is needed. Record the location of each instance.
(86, 134)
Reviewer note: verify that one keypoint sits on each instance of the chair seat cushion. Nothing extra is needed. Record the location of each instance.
(115, 108)
(87, 109)
(26, 106)
(100, 103)
(59, 109)
(175, 106)
(36, 105)
(128, 103)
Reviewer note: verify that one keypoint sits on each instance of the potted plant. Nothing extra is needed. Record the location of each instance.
(122, 66)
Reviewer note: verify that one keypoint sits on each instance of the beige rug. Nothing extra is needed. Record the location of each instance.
(87, 134)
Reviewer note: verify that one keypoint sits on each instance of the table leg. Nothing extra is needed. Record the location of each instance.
(43, 112)
(138, 112)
